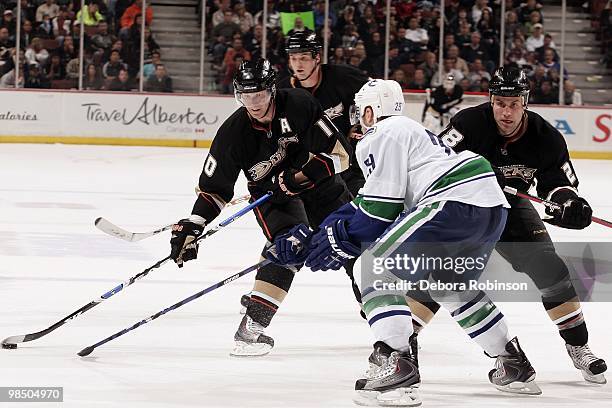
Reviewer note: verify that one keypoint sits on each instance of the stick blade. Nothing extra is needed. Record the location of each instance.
(86, 351)
(12, 340)
(109, 228)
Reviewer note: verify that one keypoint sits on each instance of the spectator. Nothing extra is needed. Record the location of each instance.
(545, 95)
(26, 33)
(49, 8)
(550, 64)
(400, 77)
(526, 9)
(219, 15)
(429, 66)
(548, 44)
(103, 40)
(475, 49)
(36, 79)
(56, 70)
(252, 41)
(111, 69)
(129, 16)
(62, 23)
(8, 22)
(367, 24)
(230, 72)
(448, 70)
(92, 80)
(72, 69)
(148, 69)
(36, 54)
(8, 79)
(160, 82)
(419, 82)
(479, 7)
(319, 15)
(245, 19)
(572, 95)
(466, 85)
(534, 18)
(273, 23)
(90, 14)
(28, 11)
(464, 38)
(121, 82)
(375, 47)
(536, 39)
(298, 26)
(416, 34)
(539, 76)
(484, 85)
(237, 48)
(5, 40)
(45, 28)
(350, 36)
(338, 57)
(227, 28)
(347, 17)
(477, 72)
(462, 18)
(512, 22)
(461, 65)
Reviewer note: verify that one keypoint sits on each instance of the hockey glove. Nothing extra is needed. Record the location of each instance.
(331, 248)
(282, 186)
(291, 248)
(183, 248)
(575, 212)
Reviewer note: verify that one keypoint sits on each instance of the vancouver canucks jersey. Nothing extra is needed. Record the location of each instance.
(407, 166)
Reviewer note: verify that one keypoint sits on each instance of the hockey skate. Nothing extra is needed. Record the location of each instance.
(250, 341)
(592, 367)
(514, 373)
(391, 381)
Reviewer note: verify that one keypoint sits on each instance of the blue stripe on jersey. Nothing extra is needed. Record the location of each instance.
(388, 314)
(487, 326)
(469, 304)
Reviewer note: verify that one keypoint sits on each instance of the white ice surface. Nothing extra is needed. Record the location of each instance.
(53, 261)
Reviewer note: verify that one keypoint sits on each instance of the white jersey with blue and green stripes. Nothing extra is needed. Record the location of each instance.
(407, 166)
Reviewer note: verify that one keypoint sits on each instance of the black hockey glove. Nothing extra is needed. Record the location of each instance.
(575, 212)
(183, 248)
(499, 175)
(282, 186)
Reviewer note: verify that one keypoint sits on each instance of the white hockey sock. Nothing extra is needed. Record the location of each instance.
(483, 322)
(390, 319)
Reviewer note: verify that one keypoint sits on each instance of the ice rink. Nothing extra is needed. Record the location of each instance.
(53, 261)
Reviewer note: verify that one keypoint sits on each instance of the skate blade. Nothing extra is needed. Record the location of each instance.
(528, 387)
(594, 378)
(243, 349)
(400, 397)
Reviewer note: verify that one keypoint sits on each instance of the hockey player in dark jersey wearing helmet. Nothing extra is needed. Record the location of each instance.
(525, 148)
(334, 86)
(283, 142)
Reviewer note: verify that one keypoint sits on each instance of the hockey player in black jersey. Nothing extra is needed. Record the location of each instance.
(283, 142)
(442, 104)
(334, 86)
(525, 148)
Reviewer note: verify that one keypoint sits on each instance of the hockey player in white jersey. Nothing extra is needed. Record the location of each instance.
(417, 191)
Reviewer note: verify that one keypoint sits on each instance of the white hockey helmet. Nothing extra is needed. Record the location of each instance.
(385, 97)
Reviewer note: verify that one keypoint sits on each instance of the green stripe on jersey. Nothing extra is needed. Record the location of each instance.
(382, 301)
(357, 200)
(470, 169)
(478, 316)
(402, 227)
(381, 209)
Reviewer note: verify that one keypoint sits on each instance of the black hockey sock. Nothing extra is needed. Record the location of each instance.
(576, 336)
(261, 310)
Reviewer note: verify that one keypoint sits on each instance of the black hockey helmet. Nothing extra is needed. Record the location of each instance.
(255, 76)
(303, 41)
(509, 81)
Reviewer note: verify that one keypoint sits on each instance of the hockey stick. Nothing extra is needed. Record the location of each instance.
(87, 350)
(550, 204)
(114, 230)
(12, 341)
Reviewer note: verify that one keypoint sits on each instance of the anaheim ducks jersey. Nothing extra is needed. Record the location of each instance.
(539, 154)
(299, 128)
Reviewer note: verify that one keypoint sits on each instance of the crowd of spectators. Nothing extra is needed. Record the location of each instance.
(50, 42)
(471, 44)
